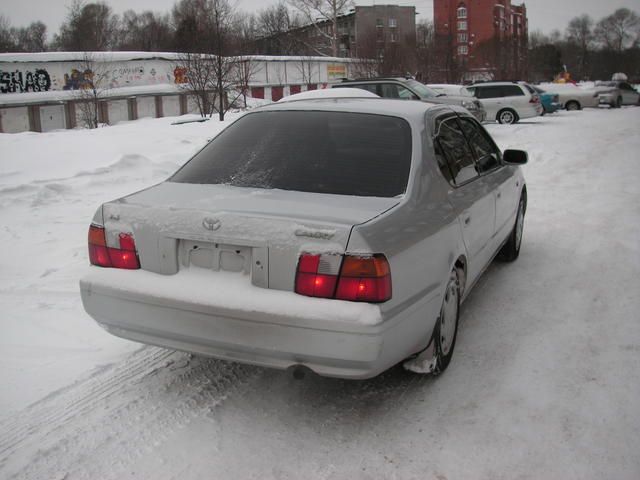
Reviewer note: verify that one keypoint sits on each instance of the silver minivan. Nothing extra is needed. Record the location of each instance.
(338, 235)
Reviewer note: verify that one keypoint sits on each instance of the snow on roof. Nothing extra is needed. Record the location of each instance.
(41, 57)
(330, 93)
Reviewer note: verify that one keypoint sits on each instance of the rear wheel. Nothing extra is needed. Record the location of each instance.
(507, 116)
(618, 102)
(446, 330)
(511, 250)
(572, 105)
(436, 357)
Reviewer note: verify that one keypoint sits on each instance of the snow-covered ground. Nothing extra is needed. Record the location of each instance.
(545, 381)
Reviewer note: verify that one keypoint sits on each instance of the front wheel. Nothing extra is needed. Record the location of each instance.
(511, 249)
(507, 116)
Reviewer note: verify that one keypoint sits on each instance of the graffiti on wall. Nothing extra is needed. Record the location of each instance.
(180, 75)
(78, 80)
(19, 82)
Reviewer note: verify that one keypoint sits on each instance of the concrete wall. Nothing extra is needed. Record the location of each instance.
(146, 107)
(171, 106)
(25, 79)
(118, 111)
(52, 118)
(14, 119)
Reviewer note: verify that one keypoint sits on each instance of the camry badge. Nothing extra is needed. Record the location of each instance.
(211, 223)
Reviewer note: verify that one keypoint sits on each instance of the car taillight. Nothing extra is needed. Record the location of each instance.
(103, 256)
(349, 277)
(534, 99)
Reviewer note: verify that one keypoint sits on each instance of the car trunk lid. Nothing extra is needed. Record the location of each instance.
(254, 232)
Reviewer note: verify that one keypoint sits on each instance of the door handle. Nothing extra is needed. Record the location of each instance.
(467, 220)
(499, 194)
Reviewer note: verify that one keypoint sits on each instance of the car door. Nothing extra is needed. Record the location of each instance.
(629, 94)
(498, 177)
(472, 198)
(491, 98)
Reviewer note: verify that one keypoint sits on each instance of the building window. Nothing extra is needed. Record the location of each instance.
(462, 38)
(393, 23)
(462, 25)
(463, 50)
(462, 12)
(394, 37)
(379, 22)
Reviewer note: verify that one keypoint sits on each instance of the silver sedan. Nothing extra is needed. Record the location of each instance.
(335, 235)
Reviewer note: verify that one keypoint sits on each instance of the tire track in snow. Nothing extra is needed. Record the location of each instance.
(98, 427)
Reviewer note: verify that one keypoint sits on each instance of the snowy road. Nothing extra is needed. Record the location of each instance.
(545, 381)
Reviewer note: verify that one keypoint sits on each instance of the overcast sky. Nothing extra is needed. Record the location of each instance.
(545, 15)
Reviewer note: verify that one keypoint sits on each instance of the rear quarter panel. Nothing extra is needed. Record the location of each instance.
(421, 238)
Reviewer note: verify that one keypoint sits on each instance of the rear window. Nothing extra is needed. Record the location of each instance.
(321, 152)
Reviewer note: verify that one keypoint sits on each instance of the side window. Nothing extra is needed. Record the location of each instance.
(368, 87)
(406, 94)
(512, 91)
(457, 156)
(486, 153)
(389, 90)
(489, 92)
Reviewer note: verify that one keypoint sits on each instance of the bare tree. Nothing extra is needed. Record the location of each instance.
(425, 50)
(146, 31)
(210, 61)
(88, 27)
(580, 39)
(305, 66)
(320, 13)
(93, 87)
(201, 80)
(7, 40)
(274, 29)
(619, 30)
(245, 69)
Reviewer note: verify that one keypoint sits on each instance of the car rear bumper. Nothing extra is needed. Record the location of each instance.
(551, 107)
(344, 347)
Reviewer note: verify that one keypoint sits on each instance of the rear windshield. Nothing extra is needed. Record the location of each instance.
(321, 152)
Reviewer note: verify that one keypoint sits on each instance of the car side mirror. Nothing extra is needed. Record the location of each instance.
(515, 157)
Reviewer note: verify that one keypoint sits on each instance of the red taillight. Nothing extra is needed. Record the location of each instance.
(103, 256)
(357, 279)
(534, 99)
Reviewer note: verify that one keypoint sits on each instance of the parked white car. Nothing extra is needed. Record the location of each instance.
(337, 235)
(572, 97)
(507, 102)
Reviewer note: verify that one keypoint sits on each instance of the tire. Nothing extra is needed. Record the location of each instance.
(618, 102)
(436, 357)
(446, 331)
(572, 105)
(507, 117)
(511, 249)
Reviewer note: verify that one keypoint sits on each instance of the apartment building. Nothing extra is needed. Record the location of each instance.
(481, 39)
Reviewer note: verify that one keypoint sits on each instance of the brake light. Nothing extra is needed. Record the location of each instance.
(534, 99)
(103, 256)
(349, 277)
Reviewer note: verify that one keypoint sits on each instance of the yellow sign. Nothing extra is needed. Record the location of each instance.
(336, 71)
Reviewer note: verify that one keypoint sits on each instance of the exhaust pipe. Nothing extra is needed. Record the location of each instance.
(299, 371)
